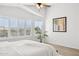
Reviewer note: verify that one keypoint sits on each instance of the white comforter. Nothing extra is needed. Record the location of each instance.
(26, 48)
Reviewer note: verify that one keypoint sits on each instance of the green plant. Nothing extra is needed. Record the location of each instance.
(40, 34)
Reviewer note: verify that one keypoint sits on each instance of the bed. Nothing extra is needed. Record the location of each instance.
(26, 48)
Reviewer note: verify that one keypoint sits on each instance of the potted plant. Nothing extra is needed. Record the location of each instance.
(40, 34)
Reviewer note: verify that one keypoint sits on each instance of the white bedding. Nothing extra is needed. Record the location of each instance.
(26, 48)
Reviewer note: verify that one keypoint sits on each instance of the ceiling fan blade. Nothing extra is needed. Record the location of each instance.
(47, 5)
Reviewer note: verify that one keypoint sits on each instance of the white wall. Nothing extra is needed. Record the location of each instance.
(37, 10)
(16, 12)
(71, 37)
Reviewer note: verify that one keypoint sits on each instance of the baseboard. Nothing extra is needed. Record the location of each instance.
(63, 46)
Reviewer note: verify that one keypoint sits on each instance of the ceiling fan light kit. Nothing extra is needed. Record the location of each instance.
(41, 5)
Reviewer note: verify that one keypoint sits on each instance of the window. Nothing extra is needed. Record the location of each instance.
(3, 33)
(21, 27)
(18, 27)
(13, 27)
(20, 23)
(13, 23)
(4, 22)
(21, 32)
(13, 32)
(39, 23)
(3, 27)
(28, 26)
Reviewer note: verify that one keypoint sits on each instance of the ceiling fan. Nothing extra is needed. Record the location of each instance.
(41, 5)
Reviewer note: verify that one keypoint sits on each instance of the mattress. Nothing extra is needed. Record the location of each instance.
(26, 48)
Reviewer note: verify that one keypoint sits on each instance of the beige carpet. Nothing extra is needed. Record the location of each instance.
(65, 51)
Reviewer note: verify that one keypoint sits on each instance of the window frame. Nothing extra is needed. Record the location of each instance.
(31, 28)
